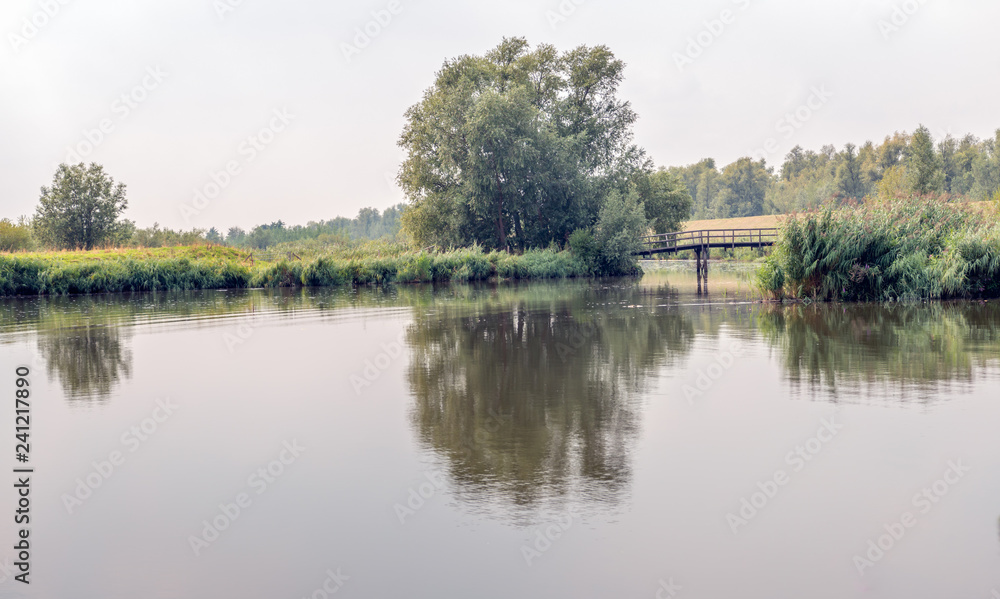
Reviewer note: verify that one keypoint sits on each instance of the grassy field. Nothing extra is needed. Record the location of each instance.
(746, 222)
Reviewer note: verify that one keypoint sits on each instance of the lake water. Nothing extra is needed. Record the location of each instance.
(565, 439)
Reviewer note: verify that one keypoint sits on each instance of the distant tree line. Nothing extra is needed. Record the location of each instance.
(83, 207)
(903, 164)
(368, 224)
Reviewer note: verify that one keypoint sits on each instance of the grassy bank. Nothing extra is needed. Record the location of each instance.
(899, 249)
(57, 273)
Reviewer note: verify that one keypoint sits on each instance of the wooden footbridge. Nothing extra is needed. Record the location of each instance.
(702, 242)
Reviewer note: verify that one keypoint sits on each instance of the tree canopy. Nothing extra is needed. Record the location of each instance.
(520, 147)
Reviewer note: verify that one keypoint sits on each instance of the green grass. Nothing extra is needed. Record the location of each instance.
(183, 268)
(884, 250)
(200, 252)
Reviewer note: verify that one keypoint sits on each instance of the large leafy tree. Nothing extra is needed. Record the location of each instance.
(82, 208)
(518, 148)
(666, 200)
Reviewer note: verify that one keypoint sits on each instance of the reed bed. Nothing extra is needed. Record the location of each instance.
(175, 269)
(886, 250)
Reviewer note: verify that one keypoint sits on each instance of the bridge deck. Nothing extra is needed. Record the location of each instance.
(708, 238)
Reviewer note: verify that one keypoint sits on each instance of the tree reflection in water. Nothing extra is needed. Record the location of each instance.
(530, 402)
(89, 361)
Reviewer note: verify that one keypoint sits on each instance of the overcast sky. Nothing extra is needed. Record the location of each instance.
(265, 88)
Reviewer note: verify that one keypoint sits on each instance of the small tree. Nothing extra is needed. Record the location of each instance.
(620, 227)
(15, 236)
(213, 236)
(924, 165)
(81, 209)
(235, 236)
(848, 174)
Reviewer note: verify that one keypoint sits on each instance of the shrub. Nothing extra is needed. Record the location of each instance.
(324, 272)
(584, 247)
(15, 237)
(771, 278)
(620, 227)
(418, 269)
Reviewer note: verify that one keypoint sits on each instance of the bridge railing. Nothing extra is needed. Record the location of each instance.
(711, 238)
(270, 256)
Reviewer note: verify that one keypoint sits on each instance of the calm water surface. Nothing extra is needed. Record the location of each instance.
(569, 439)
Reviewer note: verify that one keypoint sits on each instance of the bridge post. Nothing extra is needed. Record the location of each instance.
(705, 254)
(702, 254)
(697, 261)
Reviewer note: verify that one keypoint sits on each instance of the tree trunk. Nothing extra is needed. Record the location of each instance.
(501, 229)
(518, 231)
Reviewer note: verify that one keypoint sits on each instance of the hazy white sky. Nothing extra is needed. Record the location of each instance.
(187, 88)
